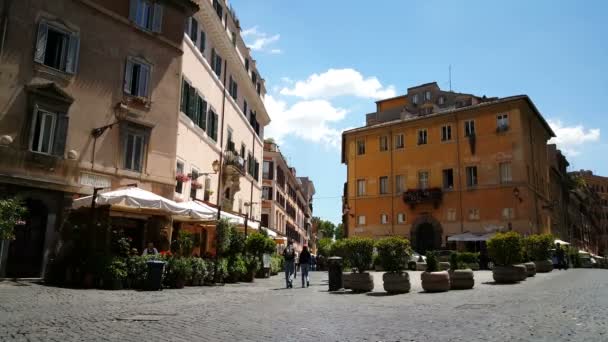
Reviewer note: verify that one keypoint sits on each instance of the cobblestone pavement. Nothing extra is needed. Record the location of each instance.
(560, 306)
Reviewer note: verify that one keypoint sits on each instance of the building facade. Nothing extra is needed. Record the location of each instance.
(591, 220)
(81, 109)
(433, 163)
(560, 185)
(221, 116)
(286, 199)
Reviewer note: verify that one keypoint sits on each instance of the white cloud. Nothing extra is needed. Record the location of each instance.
(260, 41)
(286, 80)
(340, 82)
(570, 139)
(308, 120)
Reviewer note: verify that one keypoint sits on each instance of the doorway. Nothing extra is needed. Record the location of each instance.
(425, 238)
(26, 251)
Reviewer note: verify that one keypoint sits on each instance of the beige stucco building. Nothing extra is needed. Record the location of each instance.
(222, 114)
(88, 92)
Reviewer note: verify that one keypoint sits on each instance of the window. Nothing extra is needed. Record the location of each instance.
(57, 47)
(471, 176)
(505, 172)
(360, 220)
(401, 218)
(193, 105)
(212, 125)
(469, 128)
(423, 179)
(194, 183)
(415, 99)
(441, 100)
(137, 77)
(203, 42)
(254, 77)
(448, 179)
(384, 219)
(446, 133)
(360, 147)
(135, 142)
(383, 143)
(245, 107)
(146, 14)
(246, 64)
(502, 122)
(399, 184)
(427, 95)
(233, 89)
(507, 213)
(399, 141)
(360, 187)
(268, 170)
(383, 185)
(192, 29)
(218, 9)
(216, 63)
(179, 170)
(233, 35)
(267, 193)
(49, 132)
(207, 194)
(422, 135)
(242, 153)
(474, 214)
(451, 214)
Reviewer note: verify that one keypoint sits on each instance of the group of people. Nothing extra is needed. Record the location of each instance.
(304, 260)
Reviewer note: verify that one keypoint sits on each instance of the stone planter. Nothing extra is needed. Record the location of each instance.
(361, 282)
(462, 279)
(396, 282)
(530, 269)
(508, 274)
(421, 266)
(346, 280)
(543, 266)
(444, 266)
(435, 281)
(523, 273)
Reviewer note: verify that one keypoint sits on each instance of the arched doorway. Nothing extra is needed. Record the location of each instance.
(426, 234)
(25, 252)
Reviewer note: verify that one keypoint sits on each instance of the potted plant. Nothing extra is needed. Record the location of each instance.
(115, 274)
(359, 252)
(505, 249)
(393, 256)
(179, 271)
(196, 185)
(252, 265)
(256, 245)
(538, 249)
(461, 276)
(471, 260)
(181, 177)
(434, 280)
(199, 270)
(237, 269)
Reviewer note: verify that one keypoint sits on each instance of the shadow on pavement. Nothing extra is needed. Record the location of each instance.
(498, 284)
(383, 294)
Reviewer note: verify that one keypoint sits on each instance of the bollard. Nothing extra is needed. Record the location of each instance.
(335, 273)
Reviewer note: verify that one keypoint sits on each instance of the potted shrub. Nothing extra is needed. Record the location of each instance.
(505, 249)
(393, 256)
(471, 260)
(179, 271)
(256, 245)
(237, 269)
(252, 265)
(461, 276)
(538, 249)
(434, 280)
(115, 274)
(359, 252)
(199, 270)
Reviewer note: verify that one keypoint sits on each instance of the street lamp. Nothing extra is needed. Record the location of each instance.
(249, 205)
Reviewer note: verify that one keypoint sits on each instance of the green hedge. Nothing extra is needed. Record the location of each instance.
(393, 253)
(538, 247)
(505, 249)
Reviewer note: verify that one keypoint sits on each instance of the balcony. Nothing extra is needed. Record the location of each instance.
(233, 160)
(422, 196)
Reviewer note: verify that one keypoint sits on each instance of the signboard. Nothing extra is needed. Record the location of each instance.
(95, 181)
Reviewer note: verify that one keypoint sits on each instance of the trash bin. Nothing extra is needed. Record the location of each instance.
(155, 275)
(335, 273)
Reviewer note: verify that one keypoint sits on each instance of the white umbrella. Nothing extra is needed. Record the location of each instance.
(232, 218)
(198, 211)
(561, 242)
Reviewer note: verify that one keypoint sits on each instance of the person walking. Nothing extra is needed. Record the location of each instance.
(561, 257)
(289, 256)
(305, 260)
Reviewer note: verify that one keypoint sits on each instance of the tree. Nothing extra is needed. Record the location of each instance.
(325, 229)
(11, 213)
(339, 232)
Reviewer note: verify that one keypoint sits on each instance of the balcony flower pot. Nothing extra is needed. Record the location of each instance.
(508, 274)
(196, 185)
(180, 177)
(462, 279)
(396, 282)
(543, 266)
(530, 269)
(435, 281)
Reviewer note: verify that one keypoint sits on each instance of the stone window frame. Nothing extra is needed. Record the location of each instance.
(73, 48)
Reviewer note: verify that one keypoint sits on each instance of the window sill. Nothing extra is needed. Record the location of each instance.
(45, 70)
(137, 102)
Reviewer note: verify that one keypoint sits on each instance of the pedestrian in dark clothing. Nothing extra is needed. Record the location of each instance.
(561, 257)
(305, 260)
(289, 254)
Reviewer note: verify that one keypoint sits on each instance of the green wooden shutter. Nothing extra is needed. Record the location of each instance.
(61, 135)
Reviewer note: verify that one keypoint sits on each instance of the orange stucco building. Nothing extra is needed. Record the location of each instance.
(431, 164)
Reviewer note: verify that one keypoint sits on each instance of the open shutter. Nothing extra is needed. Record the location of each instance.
(184, 102)
(191, 102)
(257, 171)
(157, 21)
(214, 126)
(193, 30)
(203, 38)
(271, 170)
(73, 52)
(133, 10)
(43, 31)
(144, 78)
(128, 76)
(61, 134)
(202, 115)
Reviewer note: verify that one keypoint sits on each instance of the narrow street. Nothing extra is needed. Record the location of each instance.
(560, 306)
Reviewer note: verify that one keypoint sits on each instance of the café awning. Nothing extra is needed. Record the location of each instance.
(204, 208)
(561, 242)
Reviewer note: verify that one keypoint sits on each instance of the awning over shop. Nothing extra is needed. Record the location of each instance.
(561, 242)
(470, 237)
(270, 233)
(211, 212)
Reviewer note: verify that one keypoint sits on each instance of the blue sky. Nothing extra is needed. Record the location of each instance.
(327, 62)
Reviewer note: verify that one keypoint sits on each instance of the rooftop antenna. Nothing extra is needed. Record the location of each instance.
(450, 75)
